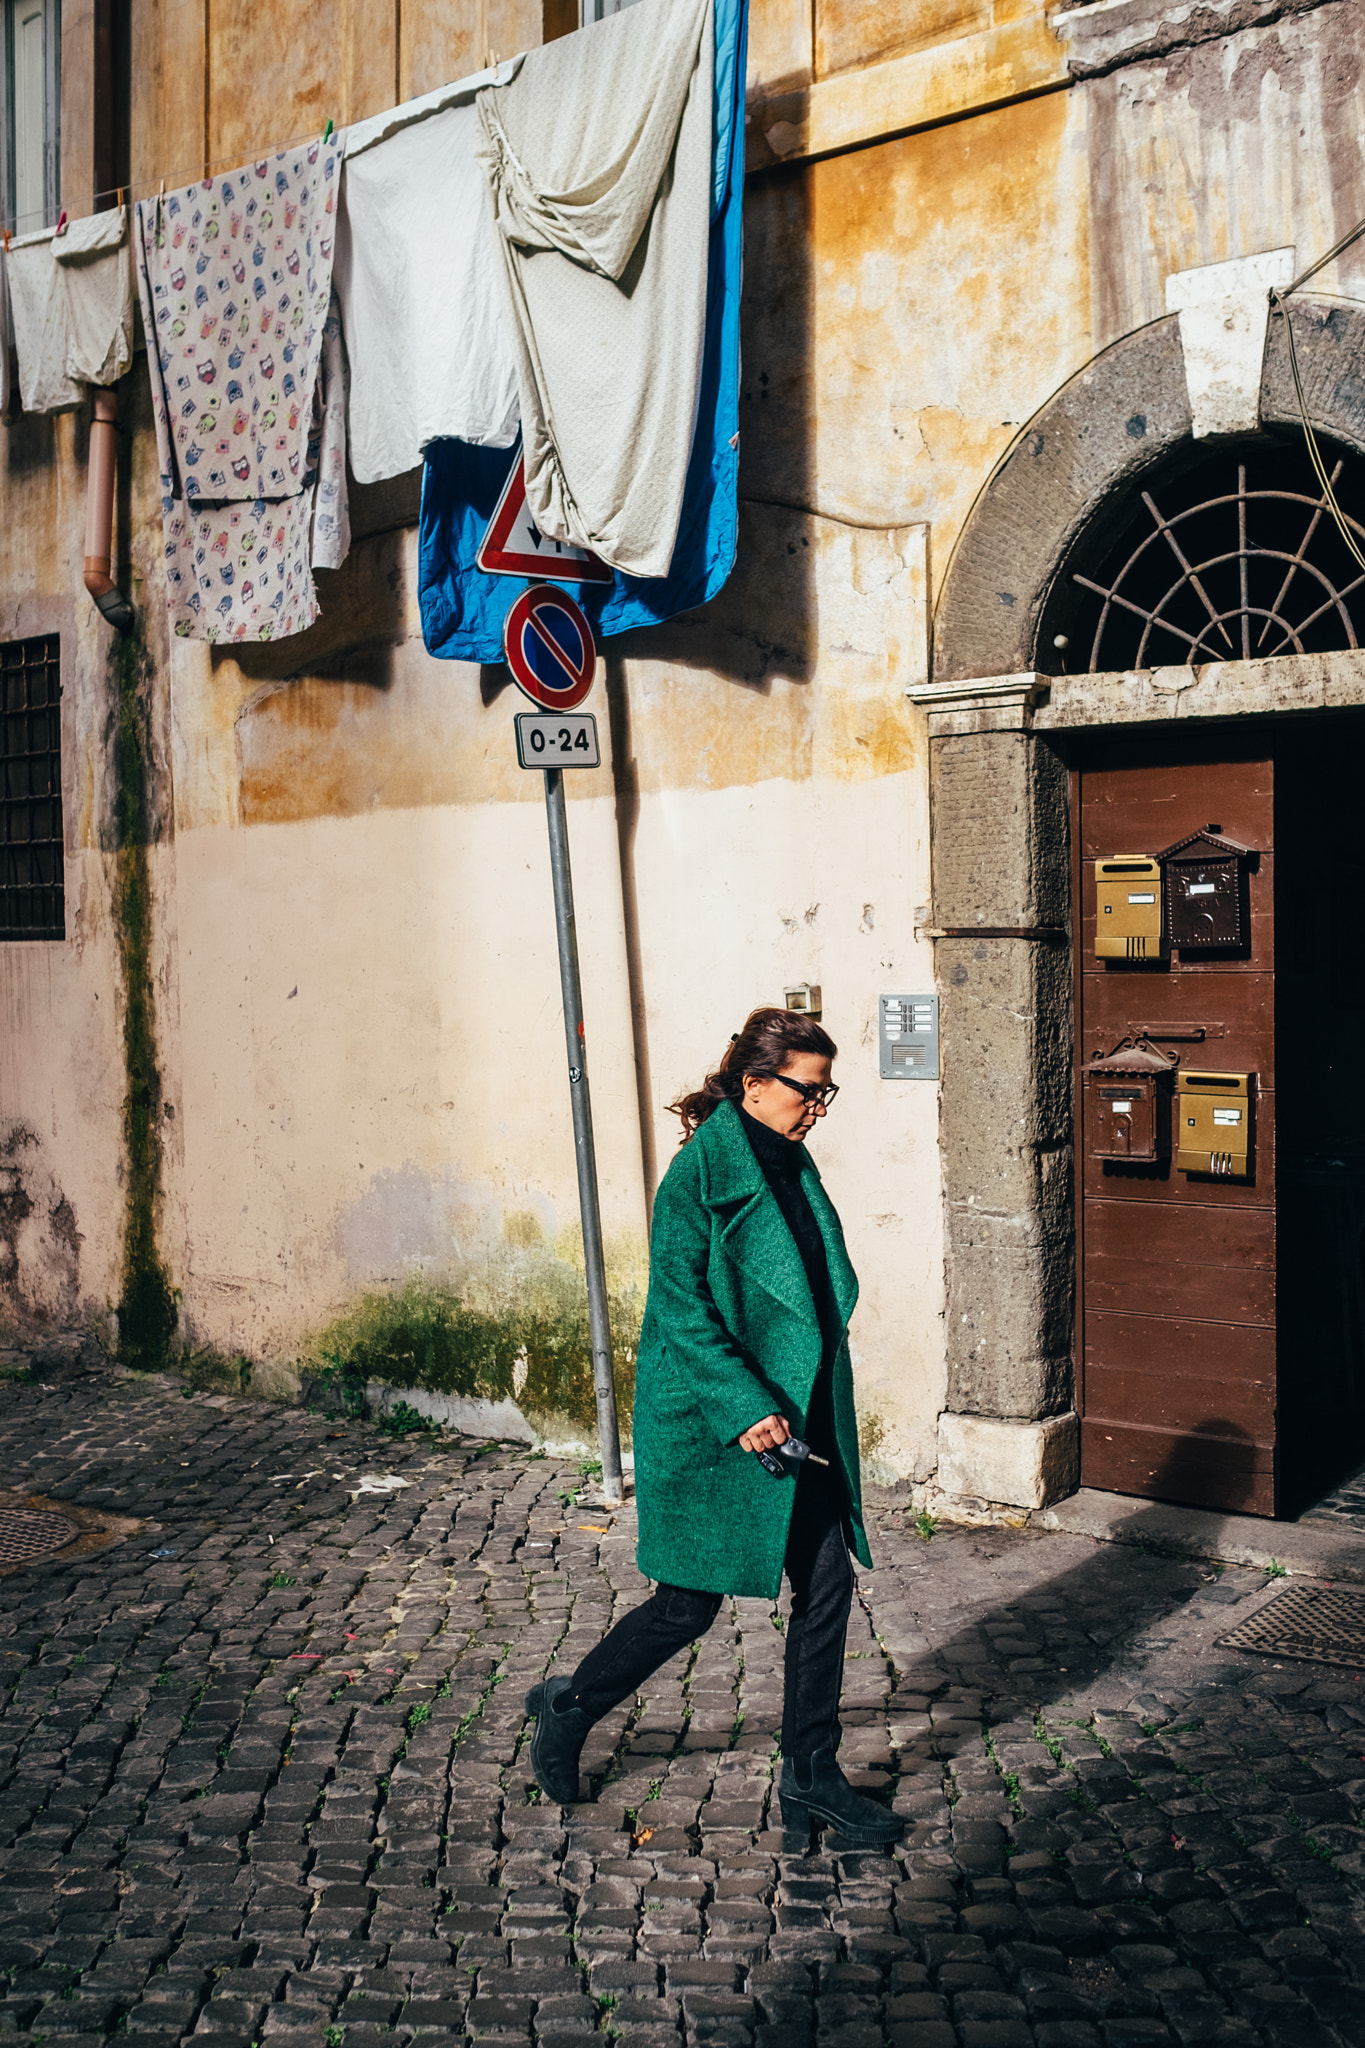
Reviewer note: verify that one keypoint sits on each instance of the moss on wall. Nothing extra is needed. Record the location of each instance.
(147, 1309)
(528, 1344)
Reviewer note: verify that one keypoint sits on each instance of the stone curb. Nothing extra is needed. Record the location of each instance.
(1311, 1549)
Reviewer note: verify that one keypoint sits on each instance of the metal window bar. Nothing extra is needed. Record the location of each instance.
(1260, 569)
(32, 877)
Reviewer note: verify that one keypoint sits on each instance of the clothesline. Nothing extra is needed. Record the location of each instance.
(210, 166)
(132, 190)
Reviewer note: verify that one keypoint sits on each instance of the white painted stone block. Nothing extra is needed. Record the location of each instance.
(1224, 310)
(1020, 1464)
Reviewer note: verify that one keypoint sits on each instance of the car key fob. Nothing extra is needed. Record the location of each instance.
(793, 1452)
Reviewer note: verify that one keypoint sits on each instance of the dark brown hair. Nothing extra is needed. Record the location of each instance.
(764, 1047)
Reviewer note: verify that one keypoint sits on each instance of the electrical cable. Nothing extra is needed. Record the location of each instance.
(1315, 455)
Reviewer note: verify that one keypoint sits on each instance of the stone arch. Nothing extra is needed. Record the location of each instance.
(1088, 448)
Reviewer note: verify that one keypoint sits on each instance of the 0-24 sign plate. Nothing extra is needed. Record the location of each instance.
(567, 739)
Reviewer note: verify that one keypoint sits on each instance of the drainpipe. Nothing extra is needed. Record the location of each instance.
(99, 511)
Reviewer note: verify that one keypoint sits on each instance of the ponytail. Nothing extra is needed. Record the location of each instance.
(764, 1047)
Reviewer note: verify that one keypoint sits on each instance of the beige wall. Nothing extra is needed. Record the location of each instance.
(355, 973)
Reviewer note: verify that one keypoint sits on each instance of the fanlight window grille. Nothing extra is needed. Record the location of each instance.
(1236, 559)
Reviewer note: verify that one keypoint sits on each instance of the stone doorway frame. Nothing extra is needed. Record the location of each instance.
(999, 824)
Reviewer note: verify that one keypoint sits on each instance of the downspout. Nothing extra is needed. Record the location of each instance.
(99, 511)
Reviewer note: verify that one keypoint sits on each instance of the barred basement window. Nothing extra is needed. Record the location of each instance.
(32, 898)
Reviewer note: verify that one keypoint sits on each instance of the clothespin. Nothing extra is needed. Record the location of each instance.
(60, 228)
(120, 198)
(327, 132)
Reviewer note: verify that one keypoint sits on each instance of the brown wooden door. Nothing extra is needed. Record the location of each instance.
(1176, 1299)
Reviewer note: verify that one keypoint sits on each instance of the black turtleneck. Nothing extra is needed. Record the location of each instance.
(780, 1159)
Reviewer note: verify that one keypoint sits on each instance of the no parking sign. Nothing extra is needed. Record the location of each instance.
(550, 651)
(550, 648)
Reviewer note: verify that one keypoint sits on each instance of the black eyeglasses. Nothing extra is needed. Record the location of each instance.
(817, 1092)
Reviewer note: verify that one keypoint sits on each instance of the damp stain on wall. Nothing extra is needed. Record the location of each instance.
(147, 1308)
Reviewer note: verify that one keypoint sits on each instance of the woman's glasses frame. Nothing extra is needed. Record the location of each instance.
(811, 1091)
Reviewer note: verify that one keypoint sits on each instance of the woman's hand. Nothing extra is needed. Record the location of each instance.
(765, 1435)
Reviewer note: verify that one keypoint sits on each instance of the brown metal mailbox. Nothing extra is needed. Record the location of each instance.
(1213, 1113)
(1206, 893)
(1129, 1102)
(1128, 924)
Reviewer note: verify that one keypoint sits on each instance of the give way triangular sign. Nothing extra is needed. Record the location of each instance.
(515, 546)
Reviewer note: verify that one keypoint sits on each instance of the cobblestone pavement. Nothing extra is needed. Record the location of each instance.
(1345, 1503)
(265, 1775)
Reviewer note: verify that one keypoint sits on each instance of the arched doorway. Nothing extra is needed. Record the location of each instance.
(1142, 638)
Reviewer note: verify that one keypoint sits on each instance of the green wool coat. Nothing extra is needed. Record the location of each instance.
(730, 1335)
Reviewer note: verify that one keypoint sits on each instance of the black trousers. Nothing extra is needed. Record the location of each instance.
(821, 1575)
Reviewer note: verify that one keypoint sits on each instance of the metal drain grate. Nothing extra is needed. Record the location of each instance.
(25, 1536)
(1318, 1624)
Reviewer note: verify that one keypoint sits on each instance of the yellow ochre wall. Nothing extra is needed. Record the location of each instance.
(359, 1050)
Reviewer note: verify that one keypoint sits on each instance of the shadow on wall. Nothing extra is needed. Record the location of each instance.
(311, 749)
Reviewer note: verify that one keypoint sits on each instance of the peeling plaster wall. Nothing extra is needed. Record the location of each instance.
(62, 1076)
(353, 956)
(370, 1036)
(1223, 149)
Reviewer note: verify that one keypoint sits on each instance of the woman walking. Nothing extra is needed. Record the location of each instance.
(744, 1347)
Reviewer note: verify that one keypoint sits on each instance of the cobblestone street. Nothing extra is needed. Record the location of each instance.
(265, 1773)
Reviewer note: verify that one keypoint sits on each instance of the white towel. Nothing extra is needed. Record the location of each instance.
(599, 156)
(423, 297)
(38, 311)
(93, 286)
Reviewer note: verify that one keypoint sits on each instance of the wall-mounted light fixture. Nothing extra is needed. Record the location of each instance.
(804, 998)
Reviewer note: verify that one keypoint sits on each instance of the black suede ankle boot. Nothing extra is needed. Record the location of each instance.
(558, 1740)
(814, 1788)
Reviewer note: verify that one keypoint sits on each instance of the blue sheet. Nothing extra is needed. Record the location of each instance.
(462, 609)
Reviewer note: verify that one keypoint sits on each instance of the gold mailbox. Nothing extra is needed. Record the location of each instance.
(1129, 1102)
(1213, 1118)
(1128, 924)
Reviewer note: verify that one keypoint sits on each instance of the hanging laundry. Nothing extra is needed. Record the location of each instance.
(239, 276)
(243, 571)
(37, 310)
(419, 276)
(599, 156)
(463, 609)
(92, 286)
(248, 393)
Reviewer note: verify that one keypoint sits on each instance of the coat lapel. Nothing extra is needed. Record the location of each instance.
(752, 1227)
(842, 1277)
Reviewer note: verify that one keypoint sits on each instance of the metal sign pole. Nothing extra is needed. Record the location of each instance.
(599, 1328)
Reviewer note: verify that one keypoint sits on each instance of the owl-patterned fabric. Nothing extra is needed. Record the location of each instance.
(239, 570)
(248, 392)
